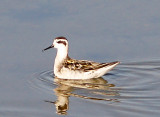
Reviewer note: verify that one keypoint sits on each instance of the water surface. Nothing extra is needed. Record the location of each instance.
(132, 89)
(98, 30)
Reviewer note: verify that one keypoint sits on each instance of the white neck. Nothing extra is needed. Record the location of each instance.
(62, 54)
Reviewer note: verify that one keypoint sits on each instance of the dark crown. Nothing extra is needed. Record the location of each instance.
(61, 37)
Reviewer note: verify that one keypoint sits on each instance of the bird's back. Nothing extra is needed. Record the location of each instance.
(83, 69)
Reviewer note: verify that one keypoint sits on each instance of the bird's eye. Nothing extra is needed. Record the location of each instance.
(62, 42)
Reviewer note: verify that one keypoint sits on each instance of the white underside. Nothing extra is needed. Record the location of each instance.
(71, 74)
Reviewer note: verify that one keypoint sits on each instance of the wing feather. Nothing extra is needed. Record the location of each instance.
(84, 65)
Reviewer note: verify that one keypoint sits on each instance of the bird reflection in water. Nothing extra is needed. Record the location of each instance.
(96, 86)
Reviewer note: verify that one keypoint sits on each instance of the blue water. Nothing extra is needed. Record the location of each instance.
(97, 30)
(132, 89)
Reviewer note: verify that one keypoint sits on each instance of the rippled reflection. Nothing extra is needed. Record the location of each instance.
(136, 91)
(66, 88)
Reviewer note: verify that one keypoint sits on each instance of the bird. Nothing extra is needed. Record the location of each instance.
(68, 68)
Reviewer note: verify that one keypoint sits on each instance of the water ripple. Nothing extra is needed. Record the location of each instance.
(134, 86)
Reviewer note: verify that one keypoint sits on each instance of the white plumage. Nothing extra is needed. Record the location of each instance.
(67, 68)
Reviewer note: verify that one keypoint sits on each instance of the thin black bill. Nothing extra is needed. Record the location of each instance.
(47, 48)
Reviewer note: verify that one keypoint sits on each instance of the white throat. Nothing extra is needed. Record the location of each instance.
(62, 54)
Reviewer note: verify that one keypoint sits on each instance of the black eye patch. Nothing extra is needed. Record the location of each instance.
(63, 42)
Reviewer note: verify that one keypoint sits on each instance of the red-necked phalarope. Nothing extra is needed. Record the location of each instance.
(67, 68)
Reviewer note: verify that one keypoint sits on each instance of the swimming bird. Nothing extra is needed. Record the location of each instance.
(68, 68)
